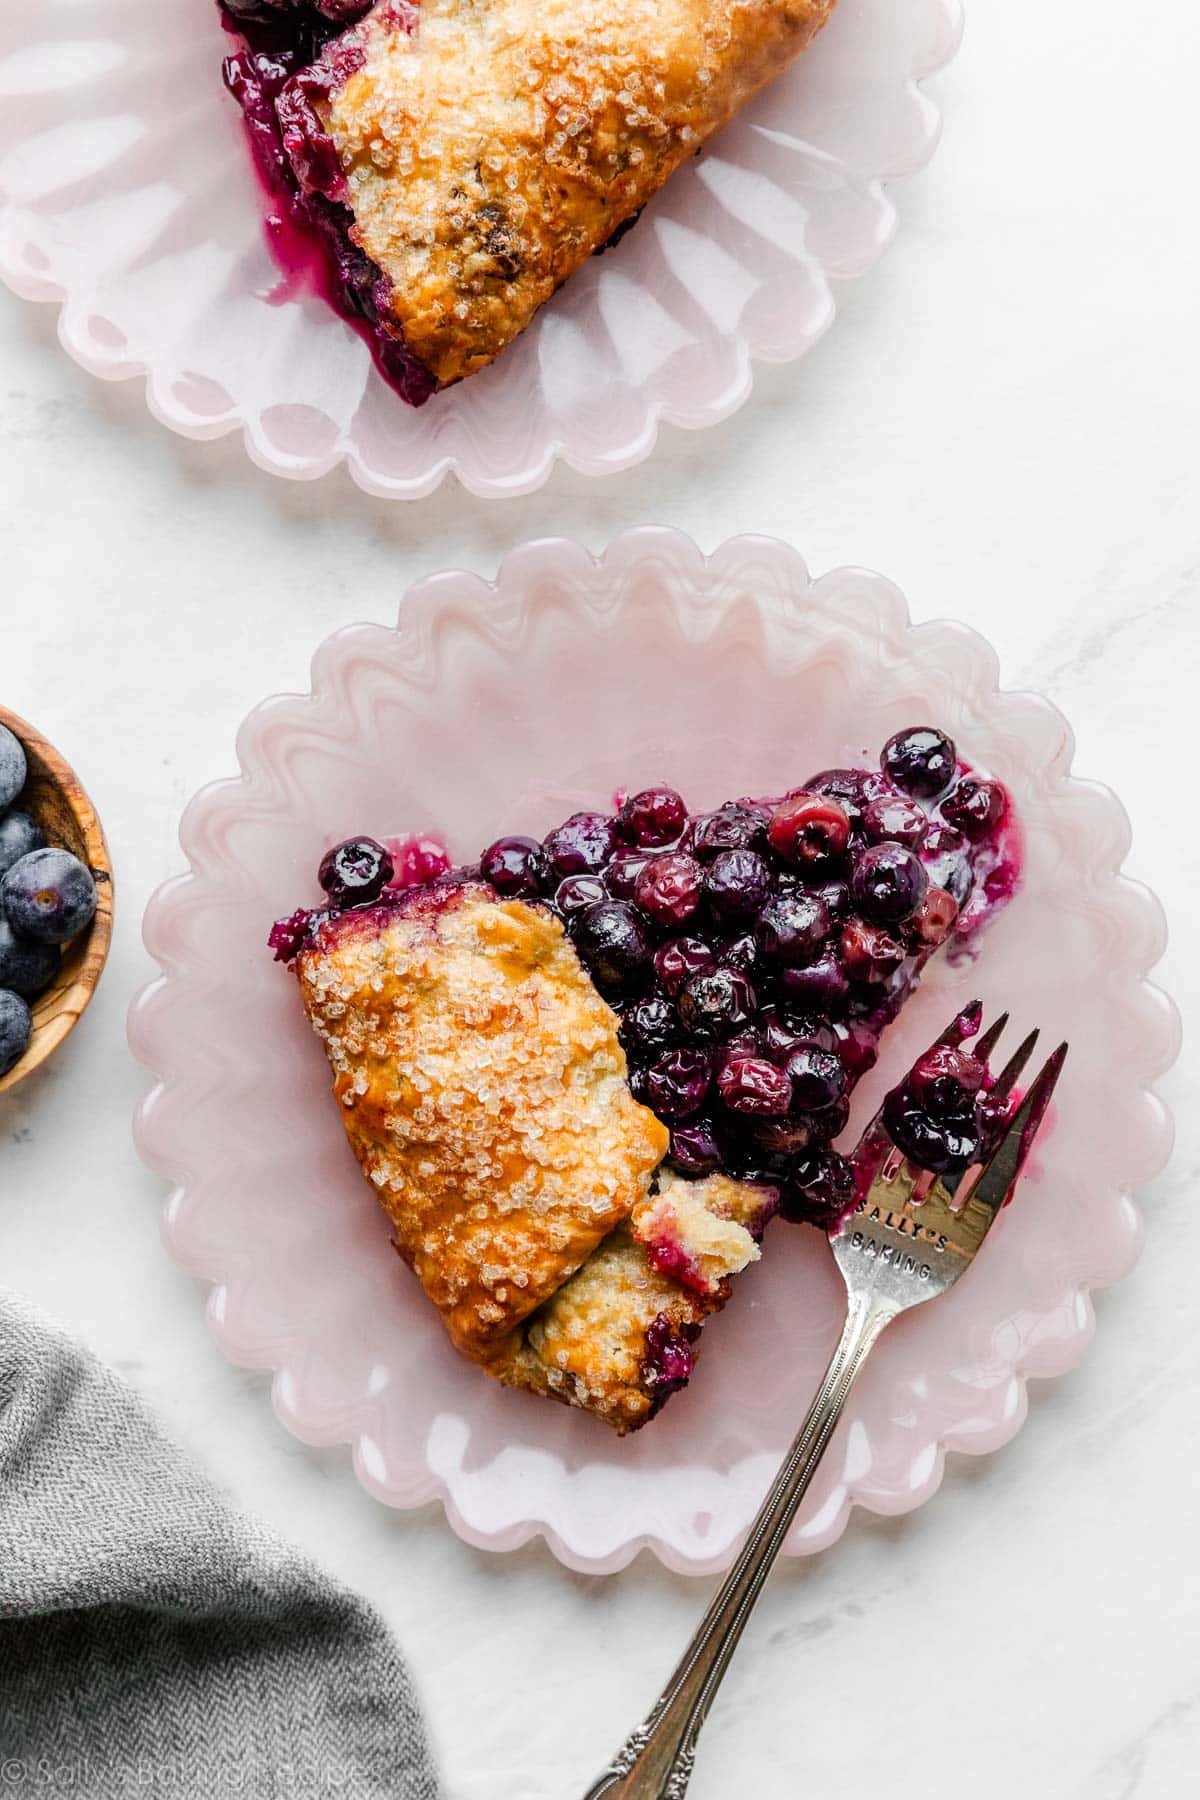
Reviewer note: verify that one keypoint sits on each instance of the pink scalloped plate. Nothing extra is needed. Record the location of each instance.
(501, 706)
(127, 195)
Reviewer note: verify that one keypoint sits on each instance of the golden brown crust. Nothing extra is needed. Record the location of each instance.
(587, 1345)
(482, 1087)
(491, 151)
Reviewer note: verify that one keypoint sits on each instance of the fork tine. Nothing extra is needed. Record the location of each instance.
(1040, 1095)
(1007, 1078)
(990, 1038)
(1006, 1161)
(964, 1024)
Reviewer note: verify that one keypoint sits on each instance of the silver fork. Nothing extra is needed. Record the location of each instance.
(909, 1240)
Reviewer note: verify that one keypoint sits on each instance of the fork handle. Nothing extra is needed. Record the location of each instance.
(656, 1760)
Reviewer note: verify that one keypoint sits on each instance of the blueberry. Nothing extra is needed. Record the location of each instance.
(858, 1047)
(821, 984)
(716, 1002)
(736, 882)
(613, 941)
(945, 1081)
(513, 866)
(577, 893)
(792, 927)
(288, 936)
(920, 761)
(868, 952)
(938, 1145)
(49, 895)
(826, 1124)
(888, 884)
(668, 889)
(946, 863)
(636, 1078)
(817, 1077)
(847, 786)
(620, 875)
(16, 1028)
(26, 966)
(820, 1190)
(933, 920)
(19, 834)
(694, 1147)
(669, 1359)
(649, 1026)
(735, 826)
(420, 861)
(678, 1083)
(677, 961)
(355, 872)
(750, 1084)
(654, 817)
(782, 1034)
(833, 894)
(893, 819)
(748, 1042)
(975, 807)
(309, 147)
(580, 846)
(740, 952)
(13, 767)
(809, 831)
(782, 1136)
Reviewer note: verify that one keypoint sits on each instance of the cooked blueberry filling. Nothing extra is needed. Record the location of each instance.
(581, 845)
(513, 866)
(288, 936)
(293, 53)
(942, 1115)
(654, 818)
(920, 761)
(288, 60)
(669, 1357)
(356, 872)
(755, 953)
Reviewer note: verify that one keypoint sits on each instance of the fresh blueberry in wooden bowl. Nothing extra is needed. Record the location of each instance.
(55, 899)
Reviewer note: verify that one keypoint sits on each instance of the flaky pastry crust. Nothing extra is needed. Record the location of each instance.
(588, 1345)
(490, 146)
(483, 1090)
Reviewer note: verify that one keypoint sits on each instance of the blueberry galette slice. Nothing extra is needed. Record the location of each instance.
(583, 1073)
(459, 159)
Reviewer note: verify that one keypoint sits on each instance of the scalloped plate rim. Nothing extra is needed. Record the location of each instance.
(626, 549)
(516, 483)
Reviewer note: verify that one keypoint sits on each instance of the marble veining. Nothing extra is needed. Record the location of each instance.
(1004, 421)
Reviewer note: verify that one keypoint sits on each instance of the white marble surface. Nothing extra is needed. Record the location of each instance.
(1004, 419)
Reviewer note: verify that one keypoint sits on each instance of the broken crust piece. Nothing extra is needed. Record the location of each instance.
(483, 1090)
(490, 146)
(619, 1337)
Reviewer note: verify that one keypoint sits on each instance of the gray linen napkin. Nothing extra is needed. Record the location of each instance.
(152, 1639)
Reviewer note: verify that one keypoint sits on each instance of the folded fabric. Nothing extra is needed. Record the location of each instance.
(153, 1639)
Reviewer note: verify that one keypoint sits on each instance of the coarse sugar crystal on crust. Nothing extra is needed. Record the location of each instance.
(490, 146)
(483, 1090)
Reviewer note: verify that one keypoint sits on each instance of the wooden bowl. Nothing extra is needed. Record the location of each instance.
(54, 797)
